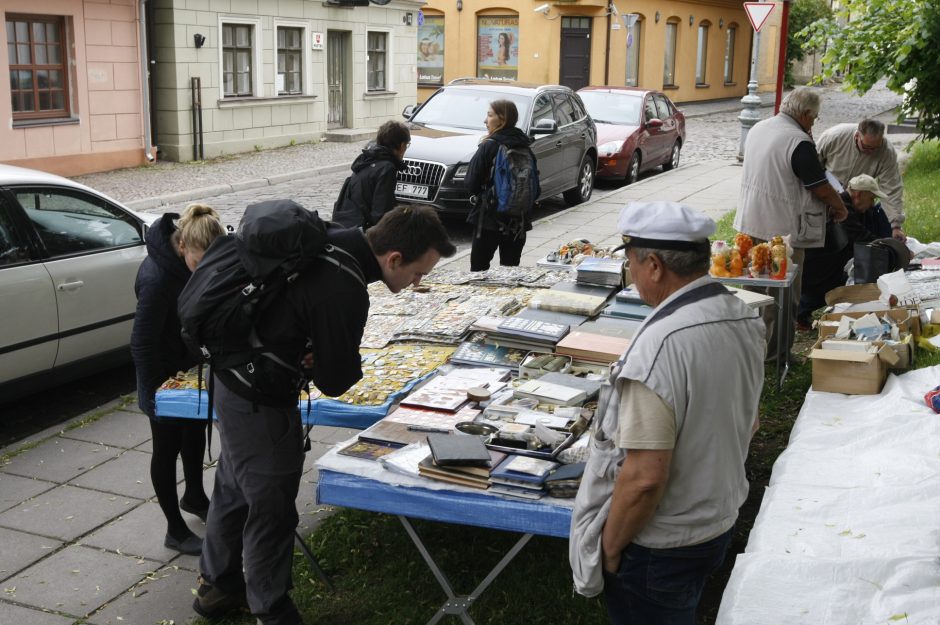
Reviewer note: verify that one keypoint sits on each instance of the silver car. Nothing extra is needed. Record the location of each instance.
(68, 261)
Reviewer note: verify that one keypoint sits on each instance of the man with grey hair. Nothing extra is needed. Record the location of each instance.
(660, 494)
(848, 151)
(784, 191)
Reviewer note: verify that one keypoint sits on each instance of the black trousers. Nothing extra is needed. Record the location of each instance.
(253, 514)
(485, 246)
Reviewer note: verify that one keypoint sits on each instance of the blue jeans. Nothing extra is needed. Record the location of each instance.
(662, 586)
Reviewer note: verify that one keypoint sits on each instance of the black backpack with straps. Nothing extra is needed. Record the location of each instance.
(237, 278)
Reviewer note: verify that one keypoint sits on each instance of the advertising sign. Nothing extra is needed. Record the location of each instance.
(431, 50)
(498, 47)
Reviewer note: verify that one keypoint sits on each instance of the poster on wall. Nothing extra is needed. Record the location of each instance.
(498, 47)
(431, 50)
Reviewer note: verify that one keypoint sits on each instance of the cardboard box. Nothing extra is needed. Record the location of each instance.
(906, 321)
(851, 373)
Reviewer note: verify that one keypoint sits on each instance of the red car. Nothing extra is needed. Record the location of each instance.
(637, 130)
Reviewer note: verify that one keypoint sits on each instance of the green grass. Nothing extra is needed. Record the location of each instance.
(921, 190)
(381, 578)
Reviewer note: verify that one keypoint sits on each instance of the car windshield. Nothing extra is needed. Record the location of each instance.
(465, 108)
(613, 108)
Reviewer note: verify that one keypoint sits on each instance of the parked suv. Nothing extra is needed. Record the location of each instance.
(447, 128)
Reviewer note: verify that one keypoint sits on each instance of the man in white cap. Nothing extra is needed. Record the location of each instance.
(848, 150)
(665, 478)
(824, 267)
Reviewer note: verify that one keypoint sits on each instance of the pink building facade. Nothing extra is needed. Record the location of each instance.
(73, 103)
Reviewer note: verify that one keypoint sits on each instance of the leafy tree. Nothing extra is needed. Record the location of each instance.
(802, 14)
(897, 39)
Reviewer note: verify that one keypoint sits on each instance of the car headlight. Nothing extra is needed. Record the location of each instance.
(610, 148)
(461, 172)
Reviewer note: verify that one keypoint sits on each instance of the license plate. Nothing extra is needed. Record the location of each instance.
(412, 190)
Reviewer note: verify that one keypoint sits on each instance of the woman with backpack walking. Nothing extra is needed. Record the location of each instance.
(175, 245)
(495, 226)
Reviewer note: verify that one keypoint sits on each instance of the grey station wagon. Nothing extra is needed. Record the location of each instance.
(447, 128)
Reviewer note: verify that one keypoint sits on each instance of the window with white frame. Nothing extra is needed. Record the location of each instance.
(701, 54)
(377, 48)
(729, 52)
(36, 52)
(239, 72)
(669, 58)
(290, 54)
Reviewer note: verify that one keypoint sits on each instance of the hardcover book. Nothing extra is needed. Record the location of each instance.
(489, 355)
(627, 310)
(449, 450)
(366, 450)
(606, 271)
(590, 346)
(427, 468)
(543, 331)
(568, 302)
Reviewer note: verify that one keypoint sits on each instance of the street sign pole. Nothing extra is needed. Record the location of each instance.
(782, 59)
(757, 14)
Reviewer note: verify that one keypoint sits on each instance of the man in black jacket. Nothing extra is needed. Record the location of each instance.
(314, 325)
(369, 192)
(824, 267)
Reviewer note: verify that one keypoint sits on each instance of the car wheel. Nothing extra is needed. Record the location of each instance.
(673, 161)
(633, 169)
(582, 191)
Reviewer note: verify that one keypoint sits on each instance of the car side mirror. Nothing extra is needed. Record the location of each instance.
(409, 111)
(654, 123)
(544, 127)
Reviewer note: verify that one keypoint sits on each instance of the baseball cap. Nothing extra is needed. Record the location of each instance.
(864, 182)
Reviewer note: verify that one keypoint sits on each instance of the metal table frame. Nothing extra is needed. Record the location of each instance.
(784, 311)
(450, 506)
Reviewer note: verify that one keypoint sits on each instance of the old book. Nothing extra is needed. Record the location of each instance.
(489, 355)
(606, 271)
(568, 302)
(366, 450)
(590, 346)
(542, 331)
(627, 310)
(450, 450)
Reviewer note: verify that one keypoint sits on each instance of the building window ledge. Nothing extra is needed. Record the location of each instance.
(253, 101)
(731, 84)
(48, 121)
(379, 95)
(702, 85)
(670, 87)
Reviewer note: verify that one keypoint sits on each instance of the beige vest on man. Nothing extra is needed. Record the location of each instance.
(772, 200)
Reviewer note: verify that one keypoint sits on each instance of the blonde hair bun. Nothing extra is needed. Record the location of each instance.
(199, 226)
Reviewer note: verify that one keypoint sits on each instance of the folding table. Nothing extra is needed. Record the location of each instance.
(784, 310)
(353, 483)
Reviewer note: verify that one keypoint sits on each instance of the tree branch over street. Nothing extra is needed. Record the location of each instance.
(896, 39)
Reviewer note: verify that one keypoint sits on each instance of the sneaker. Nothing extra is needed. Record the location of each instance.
(191, 545)
(211, 602)
(201, 512)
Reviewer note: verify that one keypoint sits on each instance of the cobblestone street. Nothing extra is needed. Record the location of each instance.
(312, 174)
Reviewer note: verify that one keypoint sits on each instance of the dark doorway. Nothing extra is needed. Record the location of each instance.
(575, 52)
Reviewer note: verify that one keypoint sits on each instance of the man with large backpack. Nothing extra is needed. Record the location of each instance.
(306, 325)
(503, 178)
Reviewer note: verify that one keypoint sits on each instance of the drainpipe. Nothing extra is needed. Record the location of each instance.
(607, 52)
(144, 79)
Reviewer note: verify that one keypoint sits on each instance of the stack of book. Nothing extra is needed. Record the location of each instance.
(528, 334)
(605, 271)
(459, 459)
(521, 476)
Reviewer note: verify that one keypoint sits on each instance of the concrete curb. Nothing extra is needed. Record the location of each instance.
(242, 185)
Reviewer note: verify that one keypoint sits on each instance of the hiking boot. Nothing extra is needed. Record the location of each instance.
(211, 602)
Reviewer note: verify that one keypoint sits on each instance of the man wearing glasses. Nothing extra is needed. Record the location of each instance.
(848, 150)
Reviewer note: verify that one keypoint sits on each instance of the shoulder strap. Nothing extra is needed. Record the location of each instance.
(355, 271)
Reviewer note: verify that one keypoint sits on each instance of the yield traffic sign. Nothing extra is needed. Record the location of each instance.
(757, 13)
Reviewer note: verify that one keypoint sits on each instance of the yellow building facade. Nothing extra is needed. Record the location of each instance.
(692, 50)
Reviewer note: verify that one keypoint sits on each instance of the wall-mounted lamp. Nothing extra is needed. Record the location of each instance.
(407, 19)
(199, 40)
(721, 22)
(460, 5)
(691, 19)
(657, 17)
